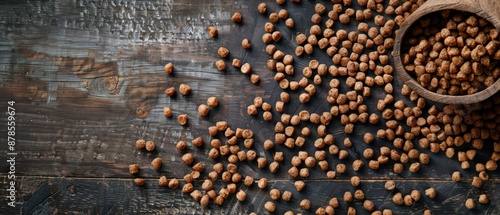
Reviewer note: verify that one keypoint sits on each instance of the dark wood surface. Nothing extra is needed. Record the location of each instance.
(80, 72)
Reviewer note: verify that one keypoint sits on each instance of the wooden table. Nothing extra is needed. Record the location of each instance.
(81, 71)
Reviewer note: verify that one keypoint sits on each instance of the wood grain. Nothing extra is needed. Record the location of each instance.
(88, 81)
(120, 196)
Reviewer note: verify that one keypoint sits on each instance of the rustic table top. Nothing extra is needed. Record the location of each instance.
(80, 72)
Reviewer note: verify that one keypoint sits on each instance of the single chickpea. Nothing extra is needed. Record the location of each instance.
(274, 194)
(299, 185)
(212, 31)
(262, 8)
(270, 206)
(431, 192)
(150, 145)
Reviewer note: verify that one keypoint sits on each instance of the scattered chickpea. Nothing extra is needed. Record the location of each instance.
(477, 182)
(169, 68)
(368, 205)
(274, 194)
(415, 195)
(262, 8)
(241, 195)
(348, 196)
(414, 167)
(390, 185)
(407, 200)
(246, 68)
(262, 183)
(237, 62)
(299, 185)
(355, 181)
(341, 168)
(156, 163)
(431, 192)
(470, 204)
(163, 182)
(270, 206)
(286, 196)
(150, 145)
(221, 65)
(140, 144)
(188, 158)
(483, 199)
(456, 177)
(173, 183)
(305, 204)
(357, 165)
(274, 166)
(133, 169)
(219, 200)
(182, 119)
(398, 199)
(212, 31)
(236, 17)
(359, 195)
(140, 181)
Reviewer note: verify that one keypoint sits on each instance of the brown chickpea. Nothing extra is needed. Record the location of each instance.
(293, 171)
(262, 183)
(188, 158)
(477, 182)
(368, 205)
(237, 62)
(398, 199)
(348, 197)
(305, 204)
(262, 8)
(431, 192)
(150, 146)
(414, 167)
(182, 119)
(139, 182)
(390, 185)
(156, 163)
(140, 144)
(274, 194)
(483, 199)
(286, 196)
(236, 17)
(359, 195)
(357, 165)
(133, 169)
(241, 195)
(355, 181)
(221, 65)
(299, 185)
(203, 110)
(470, 204)
(398, 168)
(270, 206)
(261, 162)
(212, 31)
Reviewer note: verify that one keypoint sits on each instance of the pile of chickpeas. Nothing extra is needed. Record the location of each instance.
(452, 53)
(410, 127)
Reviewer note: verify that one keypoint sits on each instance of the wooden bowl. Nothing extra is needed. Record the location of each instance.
(487, 9)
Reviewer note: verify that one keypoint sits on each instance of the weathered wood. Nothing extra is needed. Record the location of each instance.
(120, 196)
(87, 88)
(488, 9)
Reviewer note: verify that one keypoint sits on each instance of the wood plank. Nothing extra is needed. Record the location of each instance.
(42, 195)
(81, 83)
